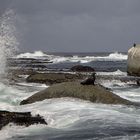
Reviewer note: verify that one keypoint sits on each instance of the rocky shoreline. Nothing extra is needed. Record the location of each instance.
(63, 84)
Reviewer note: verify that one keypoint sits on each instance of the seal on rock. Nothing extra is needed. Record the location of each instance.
(90, 80)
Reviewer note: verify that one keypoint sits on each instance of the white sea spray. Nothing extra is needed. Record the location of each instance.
(8, 40)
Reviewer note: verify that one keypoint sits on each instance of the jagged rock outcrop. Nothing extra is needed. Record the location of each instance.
(53, 78)
(93, 93)
(133, 62)
(80, 68)
(19, 118)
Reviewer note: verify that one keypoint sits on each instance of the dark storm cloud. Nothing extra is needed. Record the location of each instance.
(77, 25)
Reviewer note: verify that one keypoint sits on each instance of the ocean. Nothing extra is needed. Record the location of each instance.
(67, 118)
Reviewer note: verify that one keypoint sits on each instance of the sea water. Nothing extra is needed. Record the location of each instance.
(68, 118)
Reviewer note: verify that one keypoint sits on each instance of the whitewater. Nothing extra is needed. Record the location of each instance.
(82, 59)
(67, 118)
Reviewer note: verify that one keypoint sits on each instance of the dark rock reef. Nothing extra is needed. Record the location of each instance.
(93, 93)
(53, 78)
(81, 68)
(19, 118)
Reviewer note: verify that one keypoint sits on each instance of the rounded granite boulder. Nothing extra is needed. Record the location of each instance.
(93, 93)
(133, 61)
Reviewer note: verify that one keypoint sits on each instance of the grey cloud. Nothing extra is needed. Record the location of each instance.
(77, 25)
(4, 4)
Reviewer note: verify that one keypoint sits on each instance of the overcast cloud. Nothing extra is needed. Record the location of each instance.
(76, 25)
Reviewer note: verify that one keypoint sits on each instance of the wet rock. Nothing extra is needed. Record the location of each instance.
(133, 61)
(19, 118)
(80, 68)
(17, 75)
(93, 93)
(38, 66)
(53, 78)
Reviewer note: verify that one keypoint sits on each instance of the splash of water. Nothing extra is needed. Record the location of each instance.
(8, 40)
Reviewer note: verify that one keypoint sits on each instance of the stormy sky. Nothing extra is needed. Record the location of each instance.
(76, 25)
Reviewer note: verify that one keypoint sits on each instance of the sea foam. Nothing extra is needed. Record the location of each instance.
(75, 58)
(36, 54)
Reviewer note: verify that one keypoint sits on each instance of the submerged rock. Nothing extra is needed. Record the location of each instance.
(80, 68)
(133, 61)
(53, 78)
(93, 93)
(19, 118)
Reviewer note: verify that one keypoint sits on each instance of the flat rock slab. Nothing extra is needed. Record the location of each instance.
(53, 78)
(93, 93)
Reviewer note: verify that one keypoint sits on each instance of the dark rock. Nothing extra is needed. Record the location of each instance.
(53, 78)
(88, 81)
(22, 71)
(138, 82)
(96, 94)
(38, 66)
(19, 118)
(81, 68)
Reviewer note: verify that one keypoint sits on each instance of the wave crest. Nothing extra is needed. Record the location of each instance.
(36, 54)
(117, 56)
(86, 59)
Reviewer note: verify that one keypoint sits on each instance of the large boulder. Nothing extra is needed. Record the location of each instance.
(81, 68)
(93, 93)
(133, 62)
(53, 78)
(19, 118)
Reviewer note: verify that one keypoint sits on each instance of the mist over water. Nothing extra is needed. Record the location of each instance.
(8, 40)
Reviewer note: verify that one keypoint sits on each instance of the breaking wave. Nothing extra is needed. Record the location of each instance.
(36, 54)
(86, 59)
(114, 73)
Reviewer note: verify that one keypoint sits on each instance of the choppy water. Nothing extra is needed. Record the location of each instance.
(74, 119)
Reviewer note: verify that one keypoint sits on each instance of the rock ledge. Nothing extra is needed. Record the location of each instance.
(93, 93)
